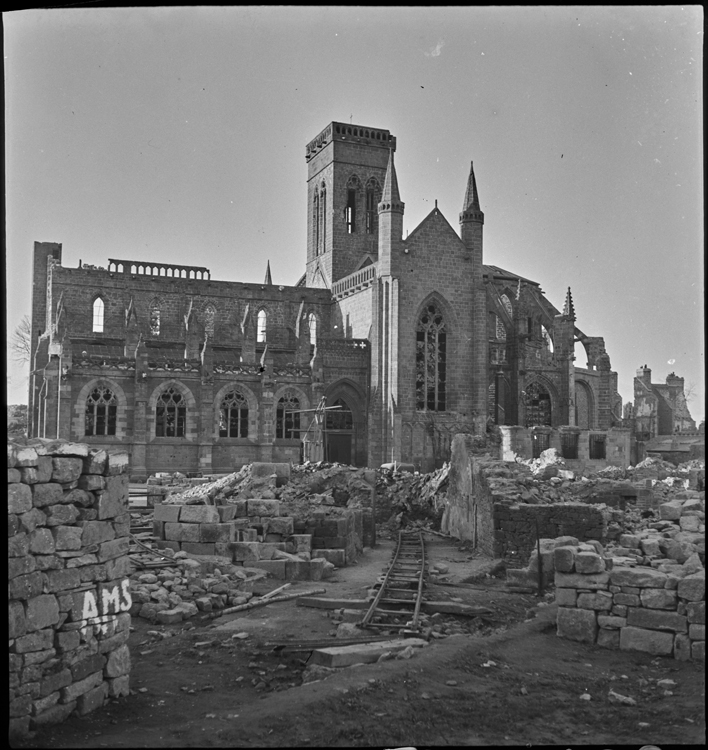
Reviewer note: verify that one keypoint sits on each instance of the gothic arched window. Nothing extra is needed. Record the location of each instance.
(339, 419)
(287, 417)
(170, 414)
(262, 321)
(323, 219)
(430, 360)
(98, 309)
(209, 317)
(101, 412)
(373, 195)
(507, 305)
(316, 221)
(312, 326)
(155, 317)
(233, 417)
(538, 405)
(353, 186)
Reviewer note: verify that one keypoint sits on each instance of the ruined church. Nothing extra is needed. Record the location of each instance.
(385, 348)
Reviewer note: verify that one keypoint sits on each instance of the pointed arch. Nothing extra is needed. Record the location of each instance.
(323, 219)
(98, 314)
(261, 326)
(372, 198)
(172, 411)
(584, 405)
(290, 402)
(154, 316)
(100, 410)
(541, 402)
(431, 359)
(209, 318)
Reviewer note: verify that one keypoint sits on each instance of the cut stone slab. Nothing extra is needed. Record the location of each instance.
(363, 653)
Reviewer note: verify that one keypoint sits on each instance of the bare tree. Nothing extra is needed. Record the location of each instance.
(20, 344)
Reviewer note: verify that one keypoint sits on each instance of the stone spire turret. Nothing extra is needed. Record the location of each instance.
(569, 308)
(390, 197)
(268, 279)
(470, 207)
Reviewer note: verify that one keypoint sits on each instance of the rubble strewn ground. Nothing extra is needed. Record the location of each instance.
(239, 680)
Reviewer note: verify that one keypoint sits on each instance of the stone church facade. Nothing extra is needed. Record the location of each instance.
(411, 340)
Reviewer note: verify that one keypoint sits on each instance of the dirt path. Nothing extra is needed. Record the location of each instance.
(201, 686)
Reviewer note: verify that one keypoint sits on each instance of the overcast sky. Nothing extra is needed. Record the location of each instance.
(178, 135)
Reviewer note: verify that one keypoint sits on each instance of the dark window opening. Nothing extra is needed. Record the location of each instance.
(101, 412)
(431, 361)
(569, 444)
(350, 211)
(170, 415)
(370, 212)
(287, 417)
(233, 416)
(538, 406)
(598, 447)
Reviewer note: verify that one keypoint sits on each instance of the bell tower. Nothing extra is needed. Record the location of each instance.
(346, 171)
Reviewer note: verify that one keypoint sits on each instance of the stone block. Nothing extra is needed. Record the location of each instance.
(23, 456)
(217, 532)
(113, 549)
(607, 638)
(698, 651)
(113, 501)
(611, 622)
(274, 568)
(337, 557)
(30, 520)
(19, 498)
(182, 532)
(690, 523)
(96, 532)
(317, 568)
(118, 663)
(564, 559)
(119, 687)
(170, 616)
(92, 700)
(169, 513)
(199, 514)
(696, 612)
(73, 691)
(599, 600)
(648, 641)
(588, 562)
(19, 566)
(362, 653)
(654, 619)
(297, 570)
(92, 482)
(17, 624)
(670, 511)
(81, 498)
(41, 612)
(262, 507)
(41, 542)
(577, 624)
(659, 599)
(47, 494)
(280, 525)
(226, 513)
(95, 462)
(693, 587)
(650, 547)
(594, 581)
(24, 587)
(14, 475)
(640, 577)
(61, 515)
(66, 538)
(55, 681)
(266, 550)
(86, 666)
(62, 580)
(682, 647)
(118, 463)
(18, 545)
(262, 470)
(199, 548)
(246, 552)
(697, 632)
(66, 469)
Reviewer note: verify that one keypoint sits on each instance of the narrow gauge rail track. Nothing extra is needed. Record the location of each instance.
(397, 602)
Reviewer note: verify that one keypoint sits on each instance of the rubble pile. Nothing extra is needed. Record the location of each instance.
(183, 586)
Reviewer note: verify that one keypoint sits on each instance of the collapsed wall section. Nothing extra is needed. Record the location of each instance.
(69, 590)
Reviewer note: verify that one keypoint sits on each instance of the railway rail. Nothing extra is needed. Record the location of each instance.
(396, 605)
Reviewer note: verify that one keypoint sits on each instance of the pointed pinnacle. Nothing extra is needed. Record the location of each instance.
(390, 192)
(471, 196)
(268, 279)
(569, 308)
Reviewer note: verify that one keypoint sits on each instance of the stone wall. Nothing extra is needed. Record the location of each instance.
(253, 533)
(629, 608)
(69, 591)
(484, 505)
